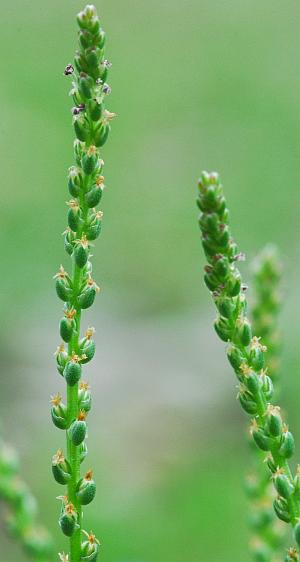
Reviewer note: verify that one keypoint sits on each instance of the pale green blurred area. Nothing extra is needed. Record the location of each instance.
(196, 84)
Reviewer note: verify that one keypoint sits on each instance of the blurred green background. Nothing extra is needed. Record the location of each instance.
(196, 84)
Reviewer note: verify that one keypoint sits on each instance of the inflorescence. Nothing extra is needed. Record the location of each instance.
(78, 290)
(268, 532)
(246, 352)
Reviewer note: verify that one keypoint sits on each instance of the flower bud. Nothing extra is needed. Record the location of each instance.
(257, 359)
(68, 520)
(287, 447)
(223, 329)
(95, 109)
(282, 484)
(261, 440)
(87, 297)
(89, 160)
(72, 371)
(244, 331)
(253, 383)
(101, 134)
(59, 412)
(233, 284)
(93, 197)
(281, 510)
(81, 252)
(221, 266)
(86, 489)
(61, 468)
(89, 548)
(267, 386)
(81, 128)
(247, 403)
(66, 328)
(77, 430)
(93, 231)
(85, 38)
(274, 421)
(236, 358)
(84, 397)
(73, 218)
(225, 306)
(85, 86)
(88, 351)
(61, 358)
(63, 290)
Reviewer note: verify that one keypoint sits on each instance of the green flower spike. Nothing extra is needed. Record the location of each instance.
(223, 279)
(78, 290)
(263, 522)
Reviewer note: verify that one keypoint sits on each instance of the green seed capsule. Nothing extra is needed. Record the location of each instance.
(236, 358)
(89, 549)
(86, 489)
(267, 386)
(85, 87)
(223, 329)
(72, 372)
(89, 351)
(287, 447)
(77, 431)
(59, 413)
(261, 440)
(81, 130)
(66, 328)
(67, 524)
(81, 254)
(222, 267)
(89, 162)
(101, 135)
(84, 398)
(87, 297)
(93, 197)
(95, 109)
(233, 284)
(283, 486)
(225, 306)
(252, 382)
(244, 331)
(297, 533)
(274, 421)
(62, 290)
(257, 358)
(73, 219)
(247, 404)
(94, 230)
(281, 510)
(61, 468)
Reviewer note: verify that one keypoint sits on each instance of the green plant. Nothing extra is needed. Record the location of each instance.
(78, 289)
(268, 531)
(246, 354)
(22, 518)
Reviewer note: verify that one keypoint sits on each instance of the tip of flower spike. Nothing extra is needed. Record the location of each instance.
(208, 178)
